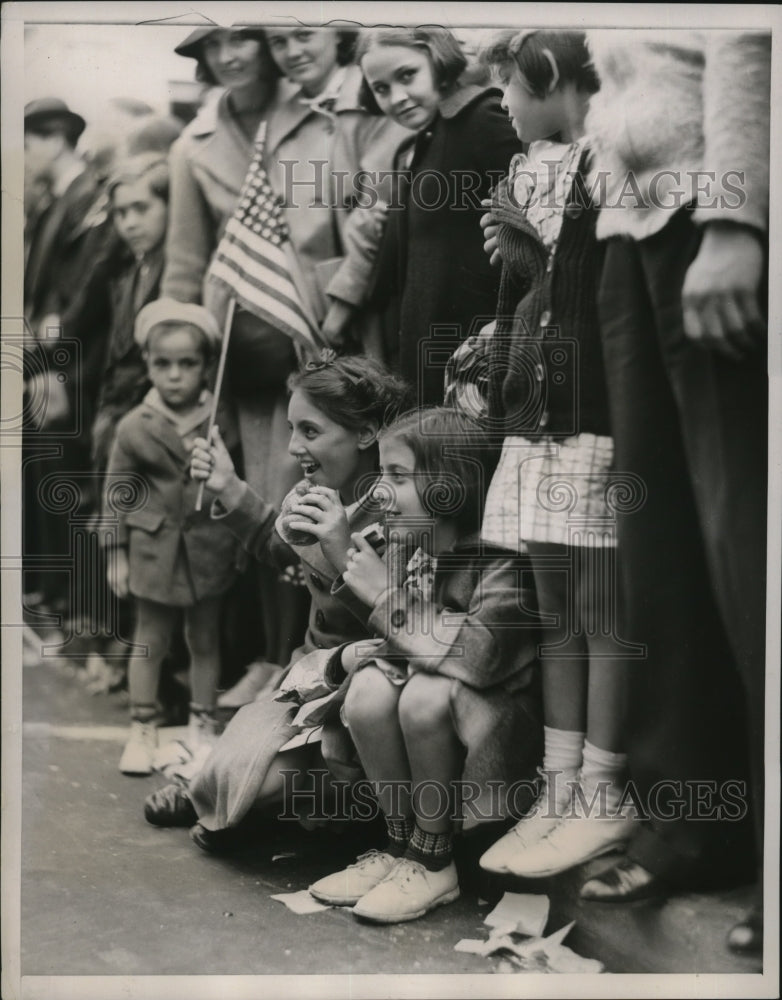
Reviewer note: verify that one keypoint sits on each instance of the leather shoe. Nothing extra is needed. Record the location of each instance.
(215, 841)
(624, 883)
(170, 806)
(746, 937)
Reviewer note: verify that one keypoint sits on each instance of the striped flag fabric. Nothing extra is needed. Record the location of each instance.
(254, 259)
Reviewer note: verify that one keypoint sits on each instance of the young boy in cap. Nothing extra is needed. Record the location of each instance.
(170, 558)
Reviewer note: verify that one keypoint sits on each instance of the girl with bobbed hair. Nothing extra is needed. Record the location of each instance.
(432, 270)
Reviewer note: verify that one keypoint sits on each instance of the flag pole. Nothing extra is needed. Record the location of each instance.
(229, 318)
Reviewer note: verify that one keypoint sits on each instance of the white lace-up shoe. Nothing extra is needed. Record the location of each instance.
(575, 839)
(139, 752)
(348, 886)
(530, 830)
(408, 892)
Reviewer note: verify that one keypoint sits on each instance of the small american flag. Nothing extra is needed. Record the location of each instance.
(255, 260)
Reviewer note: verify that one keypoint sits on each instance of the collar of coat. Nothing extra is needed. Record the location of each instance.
(460, 98)
(286, 112)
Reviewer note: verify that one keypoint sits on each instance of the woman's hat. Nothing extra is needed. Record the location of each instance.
(191, 47)
(48, 109)
(171, 311)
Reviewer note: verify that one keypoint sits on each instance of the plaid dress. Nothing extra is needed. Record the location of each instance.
(549, 490)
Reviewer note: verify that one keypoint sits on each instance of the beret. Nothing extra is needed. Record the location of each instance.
(171, 311)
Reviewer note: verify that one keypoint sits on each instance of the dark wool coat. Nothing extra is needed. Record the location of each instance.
(432, 266)
(546, 367)
(54, 270)
(177, 555)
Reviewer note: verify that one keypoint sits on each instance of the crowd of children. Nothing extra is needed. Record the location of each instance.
(551, 562)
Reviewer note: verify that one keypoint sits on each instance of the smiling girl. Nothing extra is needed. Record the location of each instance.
(431, 269)
(447, 694)
(326, 158)
(336, 409)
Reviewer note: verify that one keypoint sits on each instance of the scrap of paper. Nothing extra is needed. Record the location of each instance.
(520, 913)
(300, 902)
(532, 954)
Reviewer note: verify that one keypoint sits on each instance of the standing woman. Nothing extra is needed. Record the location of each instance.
(208, 167)
(432, 258)
(330, 161)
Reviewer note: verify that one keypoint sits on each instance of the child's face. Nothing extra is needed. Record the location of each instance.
(307, 56)
(234, 60)
(532, 117)
(176, 366)
(402, 81)
(398, 481)
(140, 216)
(327, 452)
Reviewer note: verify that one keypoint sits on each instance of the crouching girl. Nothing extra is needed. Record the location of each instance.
(446, 701)
(336, 408)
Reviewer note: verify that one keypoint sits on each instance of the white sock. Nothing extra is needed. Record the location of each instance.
(562, 754)
(603, 773)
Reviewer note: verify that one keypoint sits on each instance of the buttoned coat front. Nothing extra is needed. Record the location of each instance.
(177, 555)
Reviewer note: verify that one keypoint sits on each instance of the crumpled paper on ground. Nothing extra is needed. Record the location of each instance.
(527, 952)
(300, 902)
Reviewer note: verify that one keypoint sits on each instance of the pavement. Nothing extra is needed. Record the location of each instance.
(106, 894)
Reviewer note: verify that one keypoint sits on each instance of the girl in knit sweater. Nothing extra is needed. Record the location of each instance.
(551, 491)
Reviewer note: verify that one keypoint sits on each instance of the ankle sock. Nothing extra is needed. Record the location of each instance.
(433, 850)
(143, 713)
(603, 775)
(562, 755)
(399, 833)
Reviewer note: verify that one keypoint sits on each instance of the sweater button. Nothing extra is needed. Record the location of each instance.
(545, 319)
(398, 618)
(316, 581)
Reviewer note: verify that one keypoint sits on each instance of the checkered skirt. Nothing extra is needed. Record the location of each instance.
(551, 491)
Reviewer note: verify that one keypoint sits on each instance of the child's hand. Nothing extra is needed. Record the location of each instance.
(366, 574)
(211, 464)
(118, 573)
(356, 653)
(490, 226)
(324, 516)
(720, 294)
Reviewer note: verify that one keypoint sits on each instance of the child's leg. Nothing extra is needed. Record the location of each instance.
(202, 636)
(371, 710)
(564, 665)
(593, 826)
(372, 713)
(435, 753)
(605, 762)
(154, 629)
(565, 678)
(155, 625)
(426, 876)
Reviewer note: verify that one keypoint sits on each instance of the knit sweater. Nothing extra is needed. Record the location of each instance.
(546, 371)
(672, 104)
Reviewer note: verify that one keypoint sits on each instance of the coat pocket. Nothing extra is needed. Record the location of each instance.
(147, 520)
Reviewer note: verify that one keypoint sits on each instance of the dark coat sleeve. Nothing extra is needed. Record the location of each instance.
(252, 521)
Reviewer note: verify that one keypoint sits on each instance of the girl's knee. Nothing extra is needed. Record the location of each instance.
(369, 699)
(425, 702)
